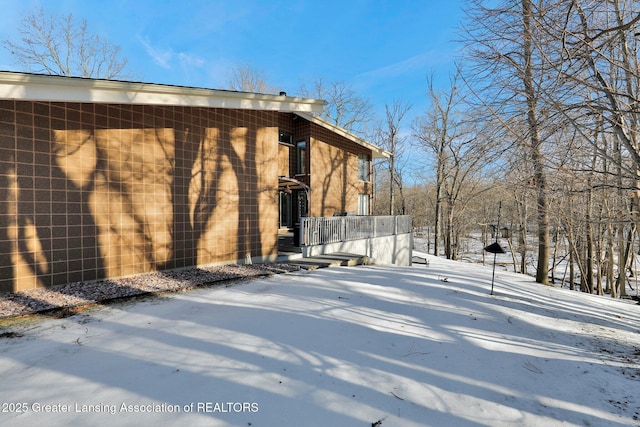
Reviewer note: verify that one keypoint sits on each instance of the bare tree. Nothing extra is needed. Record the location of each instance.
(394, 115)
(600, 62)
(247, 78)
(435, 131)
(57, 45)
(592, 50)
(461, 146)
(345, 107)
(510, 76)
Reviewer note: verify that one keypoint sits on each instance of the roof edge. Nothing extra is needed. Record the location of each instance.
(40, 87)
(377, 152)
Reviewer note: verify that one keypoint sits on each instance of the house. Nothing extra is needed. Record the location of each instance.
(103, 179)
(324, 170)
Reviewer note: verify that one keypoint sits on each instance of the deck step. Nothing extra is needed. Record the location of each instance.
(338, 259)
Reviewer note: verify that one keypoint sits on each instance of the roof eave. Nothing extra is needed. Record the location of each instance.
(37, 87)
(376, 152)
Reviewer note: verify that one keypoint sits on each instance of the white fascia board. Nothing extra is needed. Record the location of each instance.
(36, 87)
(377, 152)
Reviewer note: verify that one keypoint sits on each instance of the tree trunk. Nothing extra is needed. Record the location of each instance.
(513, 255)
(449, 240)
(436, 225)
(589, 242)
(570, 244)
(555, 256)
(537, 159)
(610, 260)
(521, 209)
(392, 177)
(624, 262)
(572, 270)
(438, 207)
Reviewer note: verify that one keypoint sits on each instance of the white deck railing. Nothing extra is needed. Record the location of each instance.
(323, 230)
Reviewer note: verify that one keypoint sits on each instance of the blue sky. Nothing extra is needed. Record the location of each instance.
(383, 49)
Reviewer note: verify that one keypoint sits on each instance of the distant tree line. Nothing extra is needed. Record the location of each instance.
(543, 113)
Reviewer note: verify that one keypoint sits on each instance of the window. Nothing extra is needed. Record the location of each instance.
(364, 167)
(363, 204)
(285, 209)
(285, 138)
(301, 155)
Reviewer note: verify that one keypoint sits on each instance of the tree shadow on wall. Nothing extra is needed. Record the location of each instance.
(46, 219)
(336, 175)
(216, 179)
(88, 199)
(189, 223)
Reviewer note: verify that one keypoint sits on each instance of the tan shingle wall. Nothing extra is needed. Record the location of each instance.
(284, 153)
(96, 191)
(334, 173)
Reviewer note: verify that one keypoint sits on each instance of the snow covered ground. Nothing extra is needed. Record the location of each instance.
(353, 346)
(472, 250)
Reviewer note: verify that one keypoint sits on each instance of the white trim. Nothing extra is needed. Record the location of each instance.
(377, 152)
(37, 87)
